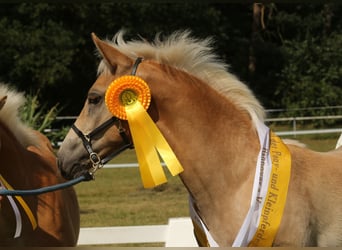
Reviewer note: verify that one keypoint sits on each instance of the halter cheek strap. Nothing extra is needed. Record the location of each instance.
(135, 65)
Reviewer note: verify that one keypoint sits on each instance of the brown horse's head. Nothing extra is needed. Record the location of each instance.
(96, 134)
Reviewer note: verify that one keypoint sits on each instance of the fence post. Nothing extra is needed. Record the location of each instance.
(180, 233)
(294, 126)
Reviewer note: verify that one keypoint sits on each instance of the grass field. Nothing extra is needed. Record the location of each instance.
(117, 198)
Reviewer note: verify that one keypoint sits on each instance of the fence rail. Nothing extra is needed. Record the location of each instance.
(292, 119)
(309, 132)
(177, 233)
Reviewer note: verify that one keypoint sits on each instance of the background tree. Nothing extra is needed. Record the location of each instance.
(312, 73)
(290, 60)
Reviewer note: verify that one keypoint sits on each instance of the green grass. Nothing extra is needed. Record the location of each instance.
(117, 198)
(322, 145)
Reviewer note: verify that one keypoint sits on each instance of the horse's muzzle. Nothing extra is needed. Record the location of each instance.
(76, 170)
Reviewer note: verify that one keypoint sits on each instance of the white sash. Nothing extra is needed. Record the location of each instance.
(260, 186)
(16, 213)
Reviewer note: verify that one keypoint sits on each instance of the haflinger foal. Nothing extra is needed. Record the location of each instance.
(246, 187)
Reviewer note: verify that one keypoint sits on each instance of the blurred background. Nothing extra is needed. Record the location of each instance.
(287, 53)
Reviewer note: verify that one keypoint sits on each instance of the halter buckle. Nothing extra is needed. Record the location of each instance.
(96, 161)
(87, 137)
(94, 158)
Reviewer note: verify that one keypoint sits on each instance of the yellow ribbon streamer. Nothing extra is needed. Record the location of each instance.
(22, 203)
(128, 97)
(274, 205)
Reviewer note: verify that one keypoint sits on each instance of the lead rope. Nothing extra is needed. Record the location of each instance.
(43, 190)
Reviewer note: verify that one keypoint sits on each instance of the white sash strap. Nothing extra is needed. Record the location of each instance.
(261, 180)
(16, 213)
(201, 232)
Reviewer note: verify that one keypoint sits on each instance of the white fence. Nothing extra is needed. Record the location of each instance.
(178, 233)
(294, 120)
(309, 131)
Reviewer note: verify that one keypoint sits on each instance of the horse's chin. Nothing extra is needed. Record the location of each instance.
(75, 171)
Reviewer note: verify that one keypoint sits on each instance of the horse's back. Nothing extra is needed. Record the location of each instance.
(315, 195)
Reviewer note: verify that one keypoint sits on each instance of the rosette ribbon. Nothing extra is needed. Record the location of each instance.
(128, 97)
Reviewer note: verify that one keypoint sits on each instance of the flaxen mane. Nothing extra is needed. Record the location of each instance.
(9, 115)
(196, 57)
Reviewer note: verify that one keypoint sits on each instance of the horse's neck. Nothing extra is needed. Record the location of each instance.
(218, 147)
(24, 134)
(18, 161)
(13, 156)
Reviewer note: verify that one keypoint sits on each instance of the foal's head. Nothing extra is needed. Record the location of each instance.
(73, 159)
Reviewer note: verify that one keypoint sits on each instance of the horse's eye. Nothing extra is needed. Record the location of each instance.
(94, 99)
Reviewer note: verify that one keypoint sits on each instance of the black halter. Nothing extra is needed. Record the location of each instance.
(95, 159)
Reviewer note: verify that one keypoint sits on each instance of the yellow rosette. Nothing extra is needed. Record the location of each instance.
(128, 98)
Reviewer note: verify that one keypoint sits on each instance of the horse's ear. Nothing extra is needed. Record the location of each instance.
(3, 101)
(112, 56)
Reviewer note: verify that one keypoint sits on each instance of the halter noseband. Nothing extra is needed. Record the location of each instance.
(95, 159)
